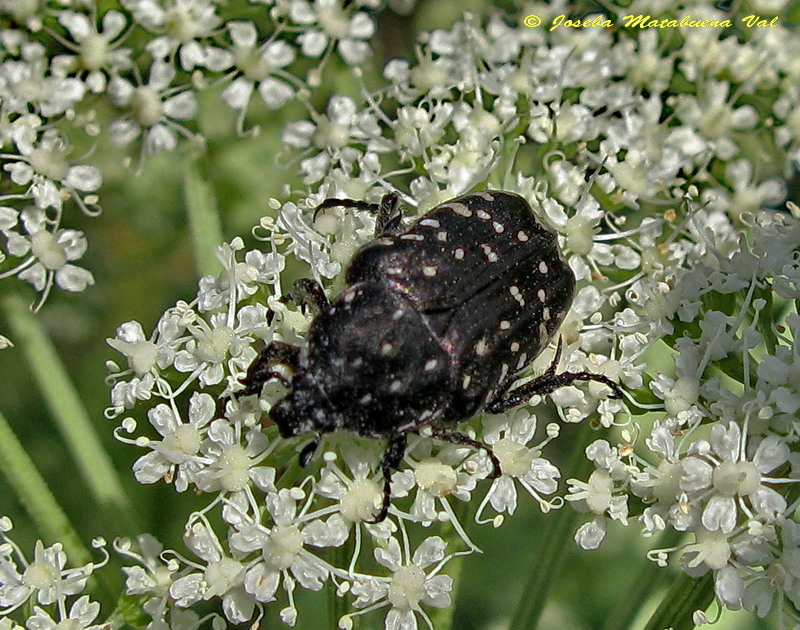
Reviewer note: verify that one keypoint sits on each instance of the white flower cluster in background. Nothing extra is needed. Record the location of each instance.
(660, 203)
(49, 102)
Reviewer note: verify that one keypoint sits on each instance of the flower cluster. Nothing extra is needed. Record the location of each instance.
(53, 589)
(143, 65)
(639, 153)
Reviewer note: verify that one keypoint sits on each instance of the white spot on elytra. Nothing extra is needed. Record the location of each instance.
(431, 365)
(365, 399)
(542, 266)
(387, 348)
(542, 334)
(412, 237)
(503, 372)
(485, 195)
(522, 359)
(481, 348)
(467, 380)
(505, 325)
(482, 214)
(515, 346)
(385, 241)
(349, 297)
(394, 271)
(522, 236)
(357, 362)
(460, 209)
(396, 385)
(541, 295)
(458, 253)
(434, 223)
(425, 414)
(441, 236)
(515, 293)
(498, 227)
(490, 255)
(397, 314)
(546, 314)
(429, 270)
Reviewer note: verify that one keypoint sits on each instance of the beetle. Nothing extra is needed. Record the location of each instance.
(436, 322)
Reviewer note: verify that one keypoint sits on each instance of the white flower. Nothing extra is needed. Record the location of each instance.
(221, 576)
(155, 107)
(509, 438)
(410, 586)
(185, 24)
(45, 579)
(258, 66)
(282, 547)
(97, 50)
(47, 253)
(332, 22)
(176, 458)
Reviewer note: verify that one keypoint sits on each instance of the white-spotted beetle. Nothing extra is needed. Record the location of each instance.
(435, 324)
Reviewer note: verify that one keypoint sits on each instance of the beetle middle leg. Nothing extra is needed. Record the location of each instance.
(262, 369)
(544, 384)
(392, 456)
(388, 213)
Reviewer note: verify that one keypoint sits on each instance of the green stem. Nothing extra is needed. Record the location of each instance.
(203, 215)
(337, 606)
(685, 597)
(555, 541)
(69, 414)
(442, 618)
(36, 497)
(640, 586)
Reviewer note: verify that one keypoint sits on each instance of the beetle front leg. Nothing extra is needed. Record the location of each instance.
(392, 456)
(388, 213)
(262, 369)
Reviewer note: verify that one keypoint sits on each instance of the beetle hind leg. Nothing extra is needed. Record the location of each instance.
(545, 384)
(262, 369)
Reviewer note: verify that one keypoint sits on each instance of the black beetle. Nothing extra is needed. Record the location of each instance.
(435, 324)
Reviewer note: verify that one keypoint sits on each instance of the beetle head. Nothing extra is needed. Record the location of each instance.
(304, 409)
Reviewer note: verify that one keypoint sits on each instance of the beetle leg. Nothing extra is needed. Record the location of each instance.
(345, 203)
(545, 384)
(392, 456)
(506, 385)
(261, 369)
(308, 293)
(455, 437)
(388, 213)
